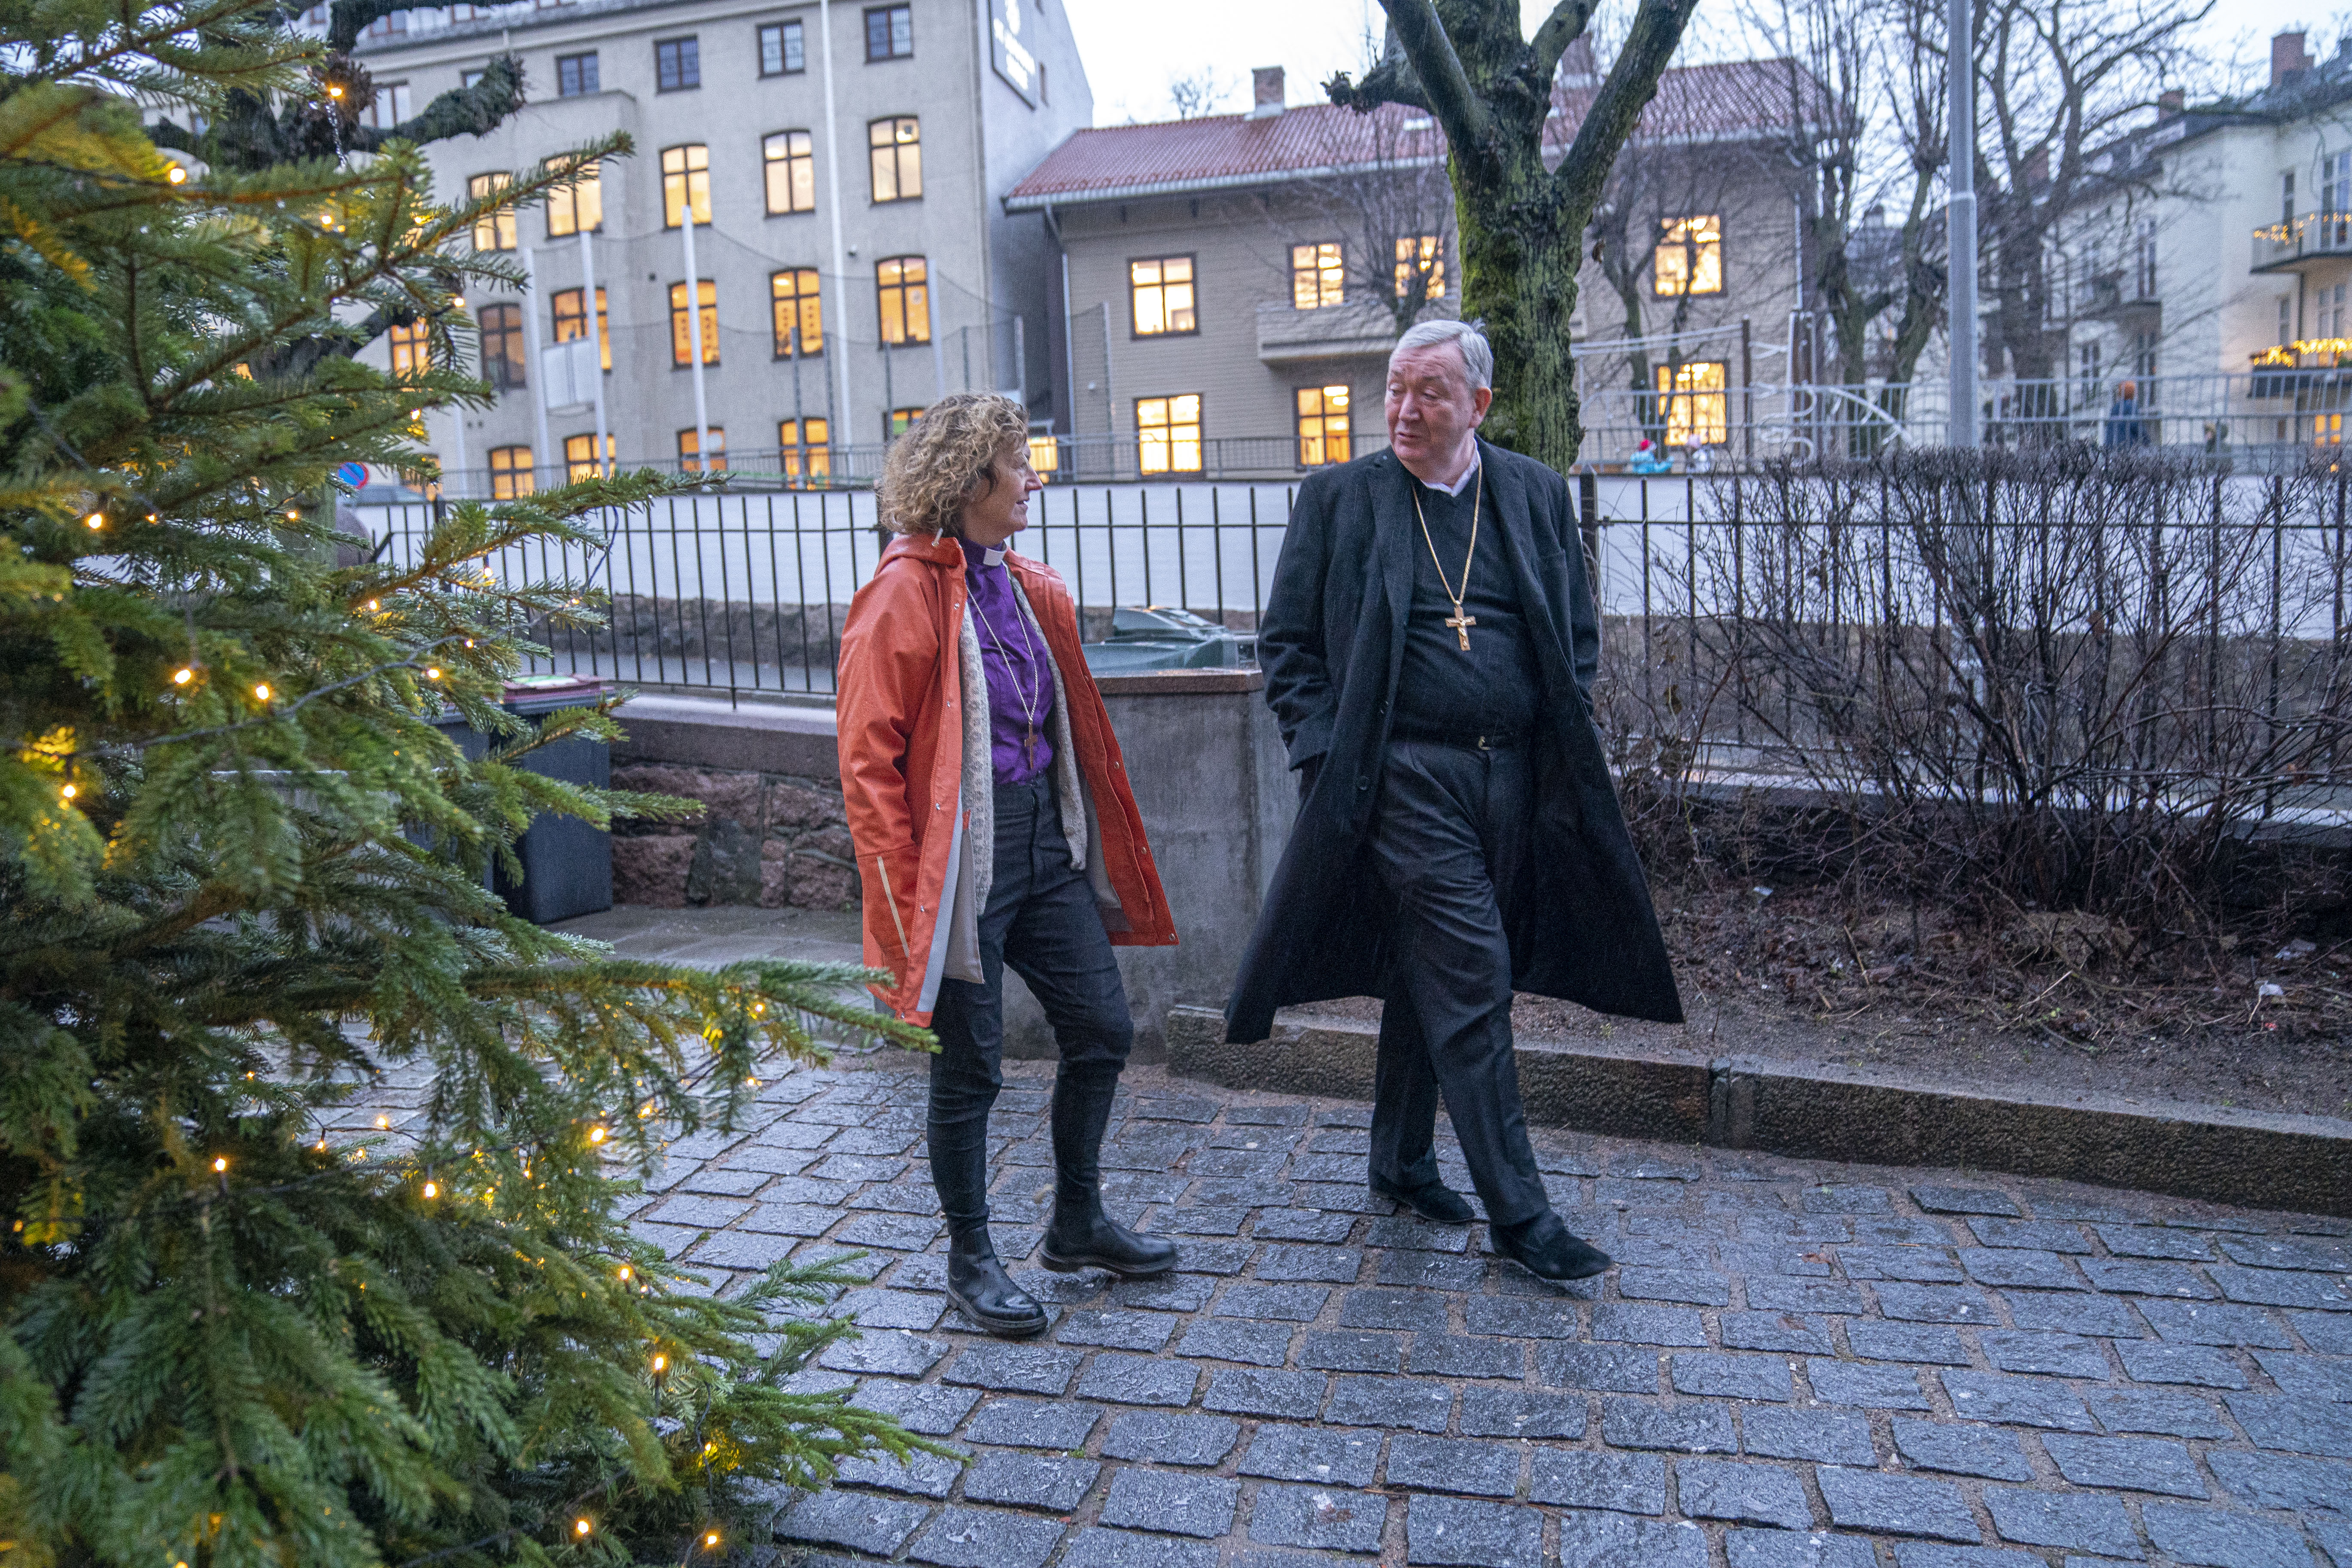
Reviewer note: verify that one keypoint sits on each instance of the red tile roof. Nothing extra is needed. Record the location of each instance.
(1735, 101)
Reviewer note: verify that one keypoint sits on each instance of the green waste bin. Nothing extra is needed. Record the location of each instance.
(567, 865)
(1148, 637)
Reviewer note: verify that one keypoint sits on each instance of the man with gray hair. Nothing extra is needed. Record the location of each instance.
(1429, 649)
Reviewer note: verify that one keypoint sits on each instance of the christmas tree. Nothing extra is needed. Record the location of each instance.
(242, 872)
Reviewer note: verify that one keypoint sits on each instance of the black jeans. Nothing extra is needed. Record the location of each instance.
(1449, 844)
(1040, 919)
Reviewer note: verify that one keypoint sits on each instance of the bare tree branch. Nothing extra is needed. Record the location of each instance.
(1625, 91)
(1562, 27)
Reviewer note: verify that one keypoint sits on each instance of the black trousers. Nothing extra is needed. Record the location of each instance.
(1449, 841)
(1041, 919)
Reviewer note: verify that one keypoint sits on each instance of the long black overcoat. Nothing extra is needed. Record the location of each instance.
(1332, 643)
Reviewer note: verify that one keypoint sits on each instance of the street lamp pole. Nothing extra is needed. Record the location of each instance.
(1960, 222)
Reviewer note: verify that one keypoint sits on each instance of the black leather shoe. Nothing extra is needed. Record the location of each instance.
(1432, 1201)
(984, 1292)
(1543, 1247)
(1097, 1241)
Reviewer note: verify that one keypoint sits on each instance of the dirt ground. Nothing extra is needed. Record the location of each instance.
(2043, 1009)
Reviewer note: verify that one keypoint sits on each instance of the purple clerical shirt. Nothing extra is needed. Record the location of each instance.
(1013, 656)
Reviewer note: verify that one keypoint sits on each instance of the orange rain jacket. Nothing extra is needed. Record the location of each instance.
(904, 708)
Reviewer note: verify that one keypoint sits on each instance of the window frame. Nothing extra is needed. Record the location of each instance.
(800, 303)
(890, 35)
(576, 468)
(1322, 414)
(513, 358)
(1329, 277)
(806, 159)
(503, 475)
(896, 422)
(583, 82)
(1411, 249)
(794, 439)
(502, 226)
(568, 195)
(686, 174)
(882, 292)
(790, 38)
(1695, 255)
(603, 322)
(1198, 424)
(689, 46)
(402, 103)
(681, 325)
(897, 148)
(1680, 393)
(718, 451)
(1191, 260)
(413, 344)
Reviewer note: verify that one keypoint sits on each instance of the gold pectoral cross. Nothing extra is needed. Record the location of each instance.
(1460, 625)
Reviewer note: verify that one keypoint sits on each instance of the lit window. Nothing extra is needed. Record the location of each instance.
(799, 306)
(678, 64)
(1690, 255)
(570, 322)
(509, 472)
(807, 453)
(781, 52)
(1168, 434)
(580, 457)
(1424, 258)
(890, 33)
(495, 230)
(502, 345)
(1696, 402)
(905, 299)
(411, 350)
(576, 75)
(896, 145)
(681, 326)
(1044, 456)
(392, 106)
(1316, 277)
(1162, 291)
(689, 451)
(1322, 426)
(686, 176)
(791, 171)
(899, 421)
(576, 204)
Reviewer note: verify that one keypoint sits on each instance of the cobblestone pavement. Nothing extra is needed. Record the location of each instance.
(1795, 1365)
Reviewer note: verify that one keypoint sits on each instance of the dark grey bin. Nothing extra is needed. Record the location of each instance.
(567, 865)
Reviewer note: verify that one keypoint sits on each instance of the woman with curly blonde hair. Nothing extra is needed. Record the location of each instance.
(993, 825)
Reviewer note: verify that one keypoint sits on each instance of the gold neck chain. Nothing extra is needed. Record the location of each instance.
(1458, 623)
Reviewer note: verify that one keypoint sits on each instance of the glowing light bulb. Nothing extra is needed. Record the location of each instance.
(262, 691)
(372, 605)
(597, 1134)
(181, 677)
(432, 1189)
(293, 514)
(96, 519)
(178, 176)
(69, 792)
(625, 1271)
(711, 1539)
(220, 1163)
(334, 92)
(385, 1122)
(433, 672)
(578, 1527)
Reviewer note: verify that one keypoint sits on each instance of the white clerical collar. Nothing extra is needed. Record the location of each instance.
(1458, 486)
(993, 555)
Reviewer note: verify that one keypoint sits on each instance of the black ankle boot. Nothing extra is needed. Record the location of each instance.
(1543, 1247)
(1432, 1200)
(1082, 1235)
(984, 1292)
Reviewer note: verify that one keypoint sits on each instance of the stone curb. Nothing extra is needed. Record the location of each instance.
(2256, 1159)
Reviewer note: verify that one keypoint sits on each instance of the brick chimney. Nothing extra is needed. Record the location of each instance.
(2173, 101)
(2288, 59)
(1265, 91)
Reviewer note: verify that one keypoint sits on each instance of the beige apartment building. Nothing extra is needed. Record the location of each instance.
(1230, 284)
(845, 165)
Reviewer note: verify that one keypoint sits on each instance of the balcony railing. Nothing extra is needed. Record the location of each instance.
(1356, 327)
(2318, 237)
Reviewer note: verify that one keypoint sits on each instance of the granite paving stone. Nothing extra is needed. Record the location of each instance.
(1919, 1265)
(1693, 1286)
(1396, 1309)
(1774, 1332)
(1410, 1231)
(1825, 1436)
(1404, 1403)
(2176, 1415)
(1754, 1377)
(1125, 1331)
(1815, 1548)
(1099, 1548)
(1916, 1343)
(2022, 1269)
(1628, 1483)
(1335, 1264)
(1137, 1380)
(2316, 1377)
(1430, 1270)
(2296, 1426)
(877, 1526)
(1743, 1493)
(1935, 1304)
(1608, 1540)
(1645, 1325)
(891, 1351)
(2102, 1316)
(2215, 1323)
(2085, 1522)
(2043, 1235)
(1321, 1455)
(1168, 1293)
(1024, 1369)
(1966, 1201)
(1285, 1303)
(2282, 1288)
(2021, 1401)
(2043, 1351)
(1350, 1351)
(1523, 1317)
(1029, 1480)
(1934, 1555)
(1897, 1505)
(986, 1538)
(1266, 1392)
(1464, 1356)
(1690, 1425)
(2144, 1277)
(1318, 1519)
(1034, 1423)
(1253, 1344)
(2214, 1538)
(2282, 1480)
(1961, 1449)
(2154, 1241)
(923, 1475)
(1171, 1503)
(1455, 1533)
(2128, 1464)
(1869, 1385)
(1301, 1225)
(1776, 1293)
(1171, 1439)
(1521, 1413)
(933, 1409)
(1453, 1465)
(2331, 1332)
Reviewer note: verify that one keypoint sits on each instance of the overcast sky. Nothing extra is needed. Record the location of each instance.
(1133, 52)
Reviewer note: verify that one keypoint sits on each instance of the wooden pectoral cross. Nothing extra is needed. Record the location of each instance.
(1460, 625)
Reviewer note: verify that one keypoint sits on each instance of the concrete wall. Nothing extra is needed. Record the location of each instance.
(1203, 753)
